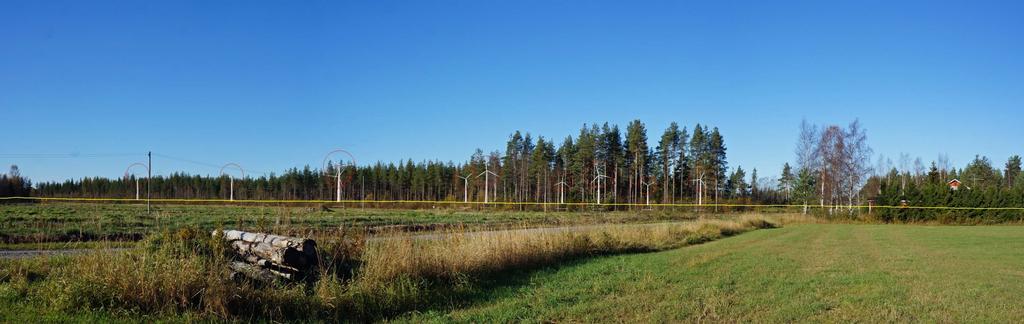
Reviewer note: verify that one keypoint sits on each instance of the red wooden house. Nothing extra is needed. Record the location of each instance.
(954, 184)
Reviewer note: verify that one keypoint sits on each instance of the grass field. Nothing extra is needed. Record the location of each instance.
(820, 272)
(181, 274)
(63, 222)
(692, 272)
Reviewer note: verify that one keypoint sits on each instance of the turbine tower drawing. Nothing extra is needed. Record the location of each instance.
(598, 178)
(465, 188)
(700, 186)
(648, 186)
(598, 175)
(127, 173)
(561, 191)
(486, 174)
(231, 195)
(340, 167)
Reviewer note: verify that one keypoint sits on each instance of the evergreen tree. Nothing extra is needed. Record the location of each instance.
(1012, 170)
(980, 174)
(584, 160)
(736, 187)
(753, 183)
(716, 145)
(636, 157)
(699, 158)
(13, 184)
(512, 164)
(805, 189)
(934, 176)
(787, 180)
(667, 155)
(613, 156)
(563, 165)
(540, 168)
(682, 171)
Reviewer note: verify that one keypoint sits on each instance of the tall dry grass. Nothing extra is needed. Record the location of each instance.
(182, 272)
(452, 254)
(173, 272)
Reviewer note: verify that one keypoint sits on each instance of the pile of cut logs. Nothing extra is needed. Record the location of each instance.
(268, 257)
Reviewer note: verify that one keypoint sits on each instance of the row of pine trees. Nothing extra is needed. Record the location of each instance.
(601, 162)
(983, 185)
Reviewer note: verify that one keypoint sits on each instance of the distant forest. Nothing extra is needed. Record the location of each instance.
(832, 169)
(530, 169)
(13, 184)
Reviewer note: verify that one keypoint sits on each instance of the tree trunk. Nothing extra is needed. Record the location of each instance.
(282, 256)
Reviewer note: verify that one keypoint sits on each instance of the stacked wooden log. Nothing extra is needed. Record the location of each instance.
(267, 257)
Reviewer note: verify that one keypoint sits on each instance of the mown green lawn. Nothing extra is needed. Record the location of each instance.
(831, 273)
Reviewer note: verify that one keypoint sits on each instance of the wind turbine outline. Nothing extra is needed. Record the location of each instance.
(339, 168)
(127, 172)
(561, 191)
(648, 187)
(700, 186)
(598, 179)
(486, 174)
(465, 187)
(231, 190)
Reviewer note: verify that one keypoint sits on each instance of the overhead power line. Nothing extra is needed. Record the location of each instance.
(210, 165)
(206, 164)
(76, 155)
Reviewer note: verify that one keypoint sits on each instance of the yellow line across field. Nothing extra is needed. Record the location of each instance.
(293, 201)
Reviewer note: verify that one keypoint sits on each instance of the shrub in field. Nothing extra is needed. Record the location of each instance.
(173, 271)
(17, 276)
(757, 222)
(339, 251)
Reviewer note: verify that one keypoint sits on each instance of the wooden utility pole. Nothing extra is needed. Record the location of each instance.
(149, 182)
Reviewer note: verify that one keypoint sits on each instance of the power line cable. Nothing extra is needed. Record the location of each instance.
(206, 164)
(76, 155)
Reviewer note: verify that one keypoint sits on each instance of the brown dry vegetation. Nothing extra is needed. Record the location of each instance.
(454, 253)
(181, 273)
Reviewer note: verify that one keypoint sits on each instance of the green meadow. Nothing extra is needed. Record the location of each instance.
(726, 268)
(811, 272)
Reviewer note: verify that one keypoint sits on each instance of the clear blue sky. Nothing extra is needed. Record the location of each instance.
(271, 85)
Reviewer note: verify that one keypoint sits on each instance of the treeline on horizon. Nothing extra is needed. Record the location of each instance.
(12, 184)
(983, 185)
(623, 167)
(832, 171)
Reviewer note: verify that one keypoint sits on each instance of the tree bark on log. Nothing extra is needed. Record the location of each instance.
(271, 255)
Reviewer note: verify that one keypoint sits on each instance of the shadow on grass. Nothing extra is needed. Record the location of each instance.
(446, 295)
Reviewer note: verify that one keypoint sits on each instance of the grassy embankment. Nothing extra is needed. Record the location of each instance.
(180, 274)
